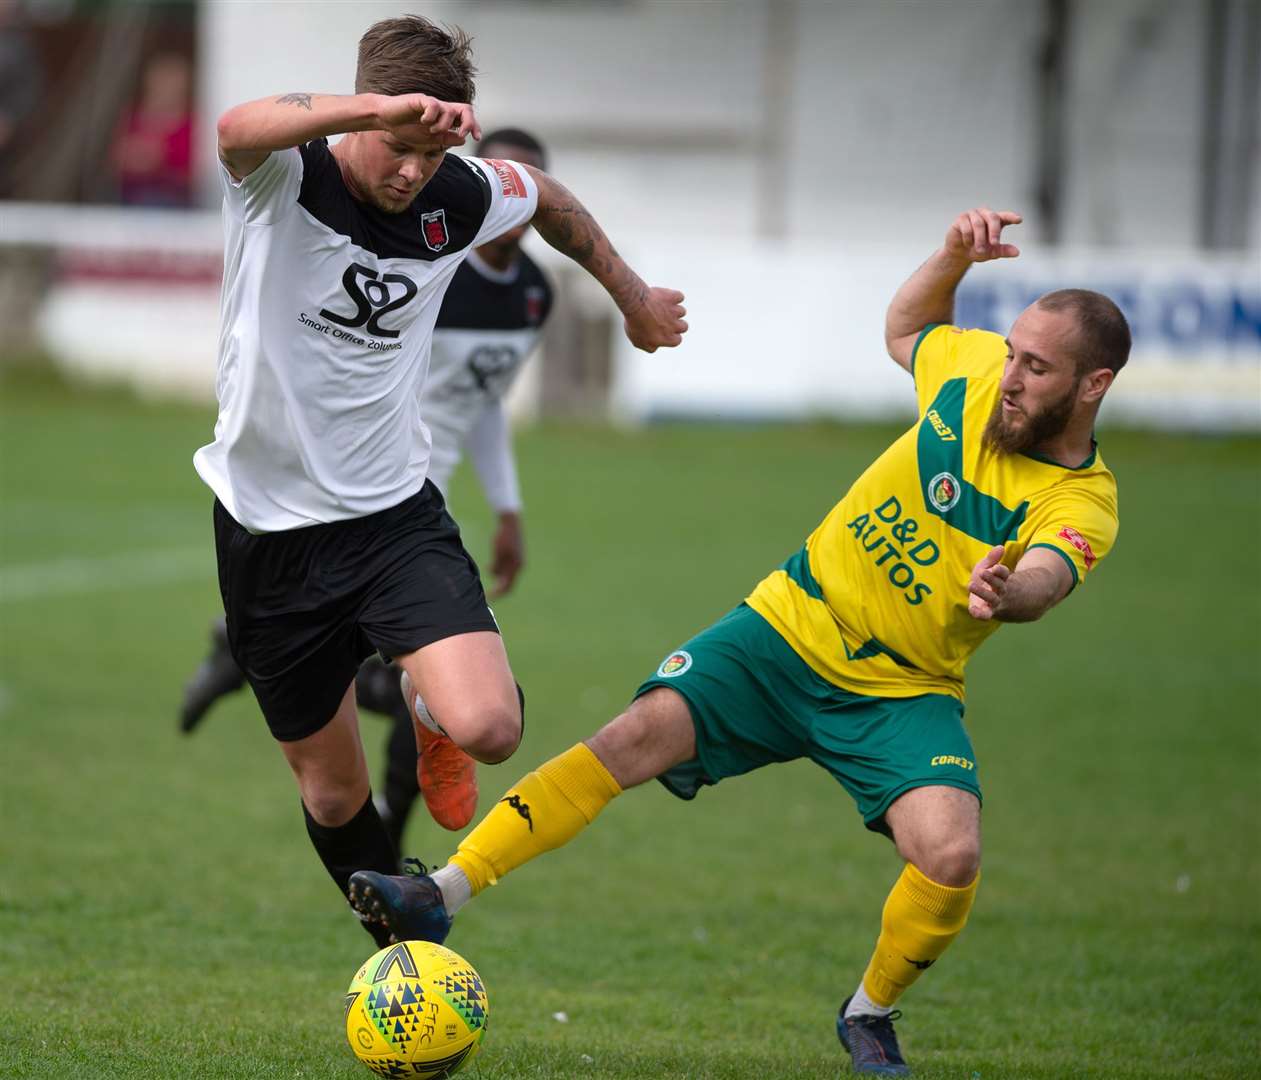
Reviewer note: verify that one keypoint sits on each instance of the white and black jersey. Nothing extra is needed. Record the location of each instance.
(488, 325)
(328, 311)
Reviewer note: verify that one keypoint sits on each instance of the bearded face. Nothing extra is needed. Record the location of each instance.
(1013, 429)
(1040, 388)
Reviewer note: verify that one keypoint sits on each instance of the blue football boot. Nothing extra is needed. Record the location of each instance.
(872, 1043)
(409, 905)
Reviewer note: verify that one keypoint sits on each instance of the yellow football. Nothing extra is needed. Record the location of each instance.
(416, 1009)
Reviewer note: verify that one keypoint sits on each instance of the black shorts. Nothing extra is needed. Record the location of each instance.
(306, 606)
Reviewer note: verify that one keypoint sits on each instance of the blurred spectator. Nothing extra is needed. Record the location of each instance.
(152, 152)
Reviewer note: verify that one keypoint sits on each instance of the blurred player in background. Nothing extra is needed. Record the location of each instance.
(331, 541)
(989, 510)
(488, 325)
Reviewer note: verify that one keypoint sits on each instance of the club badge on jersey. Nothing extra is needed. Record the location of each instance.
(434, 229)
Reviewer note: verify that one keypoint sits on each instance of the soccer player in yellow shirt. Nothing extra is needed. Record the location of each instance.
(992, 508)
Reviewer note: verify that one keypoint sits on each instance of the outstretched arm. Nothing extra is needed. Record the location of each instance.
(928, 295)
(249, 132)
(1039, 582)
(654, 316)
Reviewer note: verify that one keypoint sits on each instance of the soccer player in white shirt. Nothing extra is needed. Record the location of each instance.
(489, 324)
(331, 543)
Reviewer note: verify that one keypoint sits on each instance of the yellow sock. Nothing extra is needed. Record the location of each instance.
(542, 811)
(921, 918)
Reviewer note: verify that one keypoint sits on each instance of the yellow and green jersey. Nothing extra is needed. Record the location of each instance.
(877, 600)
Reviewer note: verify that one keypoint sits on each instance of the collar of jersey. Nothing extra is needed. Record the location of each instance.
(1094, 452)
(500, 277)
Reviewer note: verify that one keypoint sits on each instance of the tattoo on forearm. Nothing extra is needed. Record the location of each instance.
(301, 100)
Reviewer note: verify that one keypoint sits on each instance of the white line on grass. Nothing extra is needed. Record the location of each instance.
(104, 573)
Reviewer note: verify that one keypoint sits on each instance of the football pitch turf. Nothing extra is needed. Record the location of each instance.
(162, 913)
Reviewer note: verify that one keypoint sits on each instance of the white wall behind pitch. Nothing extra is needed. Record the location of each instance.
(906, 114)
(894, 116)
(1133, 155)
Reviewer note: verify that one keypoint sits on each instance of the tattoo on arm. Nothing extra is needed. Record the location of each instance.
(301, 100)
(569, 227)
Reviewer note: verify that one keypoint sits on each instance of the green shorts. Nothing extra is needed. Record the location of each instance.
(754, 701)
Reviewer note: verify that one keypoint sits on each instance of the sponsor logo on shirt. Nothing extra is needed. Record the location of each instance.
(490, 368)
(338, 334)
(944, 431)
(1079, 542)
(510, 182)
(950, 759)
(433, 227)
(374, 296)
(944, 490)
(675, 664)
(900, 551)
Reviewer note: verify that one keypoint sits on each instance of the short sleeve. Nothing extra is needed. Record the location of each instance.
(269, 192)
(1077, 521)
(514, 196)
(944, 352)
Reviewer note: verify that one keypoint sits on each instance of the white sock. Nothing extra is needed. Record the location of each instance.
(455, 887)
(418, 705)
(383, 808)
(425, 716)
(861, 1005)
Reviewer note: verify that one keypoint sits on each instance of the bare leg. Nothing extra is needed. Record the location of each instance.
(330, 766)
(332, 775)
(653, 735)
(938, 830)
(467, 685)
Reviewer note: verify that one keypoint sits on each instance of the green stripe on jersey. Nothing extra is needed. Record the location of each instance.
(967, 509)
(797, 567)
(876, 647)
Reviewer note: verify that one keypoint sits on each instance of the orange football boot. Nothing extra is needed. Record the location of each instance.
(447, 775)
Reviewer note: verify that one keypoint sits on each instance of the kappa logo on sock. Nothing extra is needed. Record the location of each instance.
(522, 808)
(922, 965)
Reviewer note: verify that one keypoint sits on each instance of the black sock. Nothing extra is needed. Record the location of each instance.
(401, 785)
(361, 844)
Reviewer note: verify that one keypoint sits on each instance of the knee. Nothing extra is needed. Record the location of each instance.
(333, 790)
(954, 862)
(333, 805)
(493, 734)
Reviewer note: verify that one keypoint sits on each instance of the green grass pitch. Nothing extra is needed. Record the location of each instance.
(162, 914)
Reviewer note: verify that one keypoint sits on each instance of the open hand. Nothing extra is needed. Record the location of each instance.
(987, 585)
(976, 235)
(417, 117)
(658, 321)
